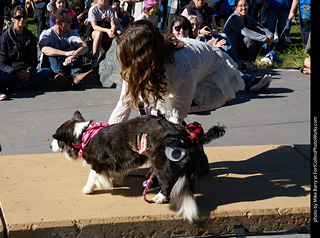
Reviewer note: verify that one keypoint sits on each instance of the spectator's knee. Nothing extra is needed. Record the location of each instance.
(97, 35)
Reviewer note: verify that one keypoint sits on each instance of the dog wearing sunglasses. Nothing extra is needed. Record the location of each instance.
(112, 154)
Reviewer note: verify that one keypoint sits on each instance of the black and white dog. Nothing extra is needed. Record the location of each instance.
(110, 152)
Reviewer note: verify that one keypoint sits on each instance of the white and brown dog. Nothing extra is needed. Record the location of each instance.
(111, 153)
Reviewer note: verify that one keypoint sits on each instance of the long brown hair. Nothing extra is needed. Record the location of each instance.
(143, 52)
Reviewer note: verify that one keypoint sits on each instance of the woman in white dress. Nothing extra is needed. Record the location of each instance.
(171, 75)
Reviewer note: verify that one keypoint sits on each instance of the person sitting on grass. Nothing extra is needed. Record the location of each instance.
(120, 18)
(18, 56)
(182, 27)
(7, 14)
(65, 48)
(103, 28)
(246, 35)
(62, 4)
(207, 27)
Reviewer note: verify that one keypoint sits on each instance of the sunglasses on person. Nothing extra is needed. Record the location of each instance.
(20, 17)
(178, 28)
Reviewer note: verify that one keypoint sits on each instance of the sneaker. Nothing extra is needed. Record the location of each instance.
(95, 64)
(84, 77)
(268, 84)
(61, 80)
(275, 40)
(261, 84)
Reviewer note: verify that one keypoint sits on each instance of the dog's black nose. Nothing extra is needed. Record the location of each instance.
(50, 146)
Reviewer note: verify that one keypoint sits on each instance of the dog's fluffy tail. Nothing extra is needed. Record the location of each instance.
(183, 201)
(212, 134)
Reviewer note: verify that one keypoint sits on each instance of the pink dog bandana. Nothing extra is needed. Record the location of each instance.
(92, 130)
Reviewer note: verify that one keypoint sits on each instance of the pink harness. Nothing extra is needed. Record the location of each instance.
(92, 130)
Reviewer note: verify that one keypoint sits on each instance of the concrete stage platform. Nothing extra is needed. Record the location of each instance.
(263, 188)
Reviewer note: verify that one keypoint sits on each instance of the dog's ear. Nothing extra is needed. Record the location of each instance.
(77, 115)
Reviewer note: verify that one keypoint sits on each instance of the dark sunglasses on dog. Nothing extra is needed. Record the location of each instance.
(20, 17)
(178, 28)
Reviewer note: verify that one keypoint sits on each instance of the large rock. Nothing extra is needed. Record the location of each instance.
(110, 67)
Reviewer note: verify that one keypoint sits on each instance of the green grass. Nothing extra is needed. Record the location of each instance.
(32, 27)
(292, 58)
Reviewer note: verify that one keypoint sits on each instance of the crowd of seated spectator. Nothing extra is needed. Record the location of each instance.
(231, 25)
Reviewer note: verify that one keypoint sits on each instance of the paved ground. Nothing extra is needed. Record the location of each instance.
(281, 115)
(276, 236)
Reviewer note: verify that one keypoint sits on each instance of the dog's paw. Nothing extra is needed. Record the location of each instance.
(87, 189)
(160, 198)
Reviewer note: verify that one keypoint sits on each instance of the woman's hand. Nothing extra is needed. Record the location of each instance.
(23, 75)
(217, 43)
(143, 146)
(291, 16)
(205, 31)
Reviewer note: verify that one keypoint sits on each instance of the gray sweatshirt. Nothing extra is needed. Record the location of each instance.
(236, 29)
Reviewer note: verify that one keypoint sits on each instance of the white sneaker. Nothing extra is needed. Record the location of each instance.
(262, 83)
(275, 38)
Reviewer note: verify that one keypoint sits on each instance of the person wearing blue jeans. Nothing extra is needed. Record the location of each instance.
(245, 34)
(10, 82)
(64, 48)
(278, 10)
(226, 47)
(57, 65)
(18, 56)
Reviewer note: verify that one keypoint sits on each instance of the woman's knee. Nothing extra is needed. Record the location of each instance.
(97, 35)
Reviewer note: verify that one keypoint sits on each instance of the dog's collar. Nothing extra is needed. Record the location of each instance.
(196, 131)
(92, 130)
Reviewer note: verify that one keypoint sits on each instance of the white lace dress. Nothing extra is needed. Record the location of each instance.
(201, 72)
